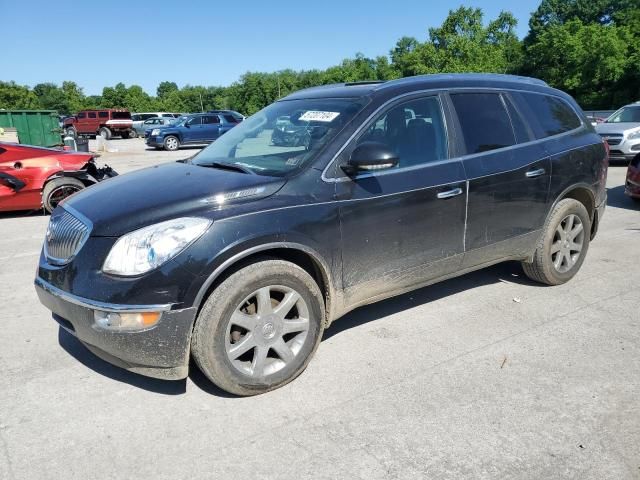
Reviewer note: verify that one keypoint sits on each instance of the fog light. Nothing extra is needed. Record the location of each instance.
(125, 321)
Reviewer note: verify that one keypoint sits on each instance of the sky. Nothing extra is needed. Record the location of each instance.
(208, 42)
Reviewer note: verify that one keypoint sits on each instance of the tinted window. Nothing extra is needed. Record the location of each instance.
(194, 121)
(546, 115)
(103, 114)
(231, 119)
(91, 114)
(414, 130)
(121, 115)
(209, 119)
(484, 121)
(82, 115)
(167, 115)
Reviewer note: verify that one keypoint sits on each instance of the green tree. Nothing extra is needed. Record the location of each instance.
(17, 97)
(165, 89)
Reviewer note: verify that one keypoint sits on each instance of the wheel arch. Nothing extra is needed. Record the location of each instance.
(584, 194)
(298, 254)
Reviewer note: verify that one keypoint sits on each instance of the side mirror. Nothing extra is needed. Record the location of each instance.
(370, 156)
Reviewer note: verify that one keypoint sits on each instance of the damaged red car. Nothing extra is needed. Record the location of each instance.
(33, 177)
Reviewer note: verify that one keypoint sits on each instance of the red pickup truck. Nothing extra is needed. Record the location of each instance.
(107, 122)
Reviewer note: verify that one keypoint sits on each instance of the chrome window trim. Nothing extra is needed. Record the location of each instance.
(96, 305)
(437, 91)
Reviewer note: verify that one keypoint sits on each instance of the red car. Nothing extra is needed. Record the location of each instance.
(632, 185)
(35, 177)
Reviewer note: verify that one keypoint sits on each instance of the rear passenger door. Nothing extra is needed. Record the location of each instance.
(508, 177)
(211, 127)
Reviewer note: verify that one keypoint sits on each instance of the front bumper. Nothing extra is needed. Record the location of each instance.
(624, 151)
(161, 351)
(154, 141)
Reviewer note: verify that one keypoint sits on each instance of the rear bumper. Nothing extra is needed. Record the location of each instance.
(161, 351)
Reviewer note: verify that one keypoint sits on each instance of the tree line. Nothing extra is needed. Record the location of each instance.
(590, 49)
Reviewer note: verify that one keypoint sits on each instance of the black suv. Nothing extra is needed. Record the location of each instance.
(242, 255)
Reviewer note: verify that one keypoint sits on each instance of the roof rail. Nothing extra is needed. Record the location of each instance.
(364, 82)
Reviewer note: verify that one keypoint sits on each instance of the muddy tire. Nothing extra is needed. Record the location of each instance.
(563, 245)
(259, 328)
(105, 133)
(57, 190)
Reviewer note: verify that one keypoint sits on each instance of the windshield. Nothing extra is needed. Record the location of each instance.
(178, 122)
(625, 114)
(285, 136)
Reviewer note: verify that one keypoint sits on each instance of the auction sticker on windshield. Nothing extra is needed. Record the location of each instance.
(318, 116)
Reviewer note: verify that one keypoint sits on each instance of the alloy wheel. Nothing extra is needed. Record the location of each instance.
(60, 193)
(267, 331)
(567, 243)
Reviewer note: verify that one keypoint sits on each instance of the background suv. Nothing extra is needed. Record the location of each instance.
(622, 132)
(196, 129)
(106, 122)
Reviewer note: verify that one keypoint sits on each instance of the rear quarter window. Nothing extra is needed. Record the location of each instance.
(103, 114)
(121, 115)
(545, 114)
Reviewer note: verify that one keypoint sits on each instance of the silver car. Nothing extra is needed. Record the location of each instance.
(622, 132)
(154, 122)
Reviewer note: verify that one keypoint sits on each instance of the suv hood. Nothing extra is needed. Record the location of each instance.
(621, 127)
(128, 202)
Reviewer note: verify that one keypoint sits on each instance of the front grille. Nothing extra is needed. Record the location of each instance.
(612, 138)
(65, 237)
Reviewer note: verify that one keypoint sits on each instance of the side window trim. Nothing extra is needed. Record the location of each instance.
(373, 118)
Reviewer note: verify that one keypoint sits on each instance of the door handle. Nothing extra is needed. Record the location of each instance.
(535, 173)
(450, 193)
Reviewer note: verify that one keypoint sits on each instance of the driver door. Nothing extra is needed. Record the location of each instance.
(403, 226)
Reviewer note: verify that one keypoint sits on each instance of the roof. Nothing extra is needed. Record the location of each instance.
(419, 82)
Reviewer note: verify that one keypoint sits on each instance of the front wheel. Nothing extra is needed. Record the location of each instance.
(259, 328)
(57, 190)
(563, 245)
(171, 143)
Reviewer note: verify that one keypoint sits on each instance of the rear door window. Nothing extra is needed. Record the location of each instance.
(91, 114)
(484, 121)
(210, 119)
(545, 114)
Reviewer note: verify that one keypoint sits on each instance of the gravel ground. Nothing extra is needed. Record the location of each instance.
(483, 376)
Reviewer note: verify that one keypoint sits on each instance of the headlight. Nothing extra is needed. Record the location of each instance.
(155, 131)
(148, 248)
(634, 135)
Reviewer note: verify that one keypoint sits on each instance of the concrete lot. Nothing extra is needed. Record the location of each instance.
(484, 376)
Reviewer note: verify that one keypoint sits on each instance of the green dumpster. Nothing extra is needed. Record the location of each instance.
(35, 127)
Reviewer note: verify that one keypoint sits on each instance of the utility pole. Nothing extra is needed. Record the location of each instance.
(201, 105)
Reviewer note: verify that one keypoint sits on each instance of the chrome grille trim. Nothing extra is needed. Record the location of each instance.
(66, 234)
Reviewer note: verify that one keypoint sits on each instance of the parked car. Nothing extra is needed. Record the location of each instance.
(632, 185)
(106, 123)
(140, 118)
(622, 132)
(153, 122)
(242, 255)
(36, 177)
(197, 129)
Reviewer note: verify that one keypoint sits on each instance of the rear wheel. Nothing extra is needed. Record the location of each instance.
(171, 143)
(563, 246)
(105, 133)
(259, 328)
(57, 190)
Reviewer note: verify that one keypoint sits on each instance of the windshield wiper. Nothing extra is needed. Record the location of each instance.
(228, 166)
